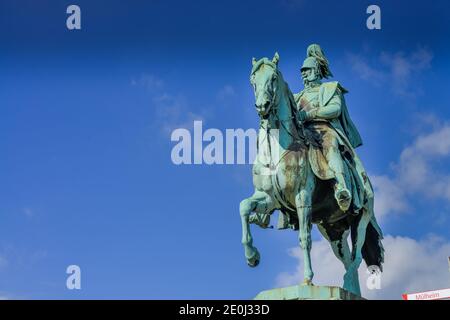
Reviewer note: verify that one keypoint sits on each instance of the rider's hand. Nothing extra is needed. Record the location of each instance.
(311, 114)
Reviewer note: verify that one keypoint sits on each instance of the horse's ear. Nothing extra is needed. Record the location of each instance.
(253, 61)
(276, 58)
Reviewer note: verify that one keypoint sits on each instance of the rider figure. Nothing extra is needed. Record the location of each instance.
(321, 107)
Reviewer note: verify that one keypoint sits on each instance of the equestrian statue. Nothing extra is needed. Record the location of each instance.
(307, 168)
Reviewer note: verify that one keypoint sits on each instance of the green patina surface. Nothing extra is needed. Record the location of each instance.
(307, 168)
(302, 292)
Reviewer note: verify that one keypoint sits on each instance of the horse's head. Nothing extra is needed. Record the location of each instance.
(264, 81)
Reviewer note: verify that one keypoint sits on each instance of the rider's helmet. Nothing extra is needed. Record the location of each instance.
(317, 62)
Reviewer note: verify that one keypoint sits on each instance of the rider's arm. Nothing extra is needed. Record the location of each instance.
(330, 111)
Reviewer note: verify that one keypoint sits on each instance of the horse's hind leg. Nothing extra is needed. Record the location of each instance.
(341, 250)
(303, 202)
(259, 202)
(359, 237)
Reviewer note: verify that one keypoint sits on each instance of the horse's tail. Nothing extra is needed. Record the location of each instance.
(372, 250)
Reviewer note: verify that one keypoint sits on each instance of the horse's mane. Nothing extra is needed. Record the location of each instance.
(288, 92)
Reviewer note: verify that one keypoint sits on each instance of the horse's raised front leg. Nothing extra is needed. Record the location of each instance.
(260, 202)
(303, 202)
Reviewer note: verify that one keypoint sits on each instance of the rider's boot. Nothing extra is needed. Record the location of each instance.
(342, 195)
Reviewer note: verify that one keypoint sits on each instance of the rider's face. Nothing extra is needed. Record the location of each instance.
(306, 72)
(309, 76)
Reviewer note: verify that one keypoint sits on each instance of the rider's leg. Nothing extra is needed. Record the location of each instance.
(342, 193)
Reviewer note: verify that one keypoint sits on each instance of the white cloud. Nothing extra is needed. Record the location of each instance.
(226, 92)
(28, 212)
(402, 67)
(328, 270)
(395, 70)
(148, 81)
(171, 111)
(410, 266)
(415, 174)
(389, 196)
(364, 70)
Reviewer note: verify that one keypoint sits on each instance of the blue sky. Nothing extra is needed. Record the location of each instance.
(85, 128)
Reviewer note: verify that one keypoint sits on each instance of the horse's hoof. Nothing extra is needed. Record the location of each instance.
(253, 263)
(307, 282)
(254, 260)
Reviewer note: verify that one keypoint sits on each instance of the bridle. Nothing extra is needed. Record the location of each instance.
(272, 109)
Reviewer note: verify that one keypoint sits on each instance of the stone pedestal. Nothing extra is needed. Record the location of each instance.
(303, 292)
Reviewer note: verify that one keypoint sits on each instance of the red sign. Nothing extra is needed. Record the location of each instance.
(428, 295)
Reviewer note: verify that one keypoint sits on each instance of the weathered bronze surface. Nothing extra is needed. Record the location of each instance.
(307, 168)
